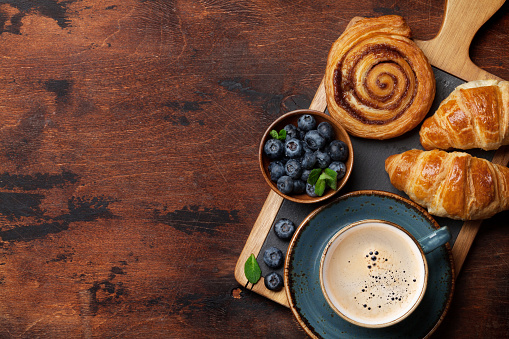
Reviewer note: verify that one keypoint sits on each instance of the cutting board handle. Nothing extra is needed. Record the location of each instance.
(449, 50)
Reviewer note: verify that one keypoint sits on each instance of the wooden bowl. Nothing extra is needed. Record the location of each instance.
(291, 118)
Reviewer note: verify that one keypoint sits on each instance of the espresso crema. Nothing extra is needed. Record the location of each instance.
(374, 273)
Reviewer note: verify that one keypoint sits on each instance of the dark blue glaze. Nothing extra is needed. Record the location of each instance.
(303, 264)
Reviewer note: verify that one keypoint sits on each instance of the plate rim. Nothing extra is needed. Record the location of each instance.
(302, 322)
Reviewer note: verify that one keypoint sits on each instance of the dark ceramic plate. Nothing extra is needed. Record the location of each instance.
(303, 261)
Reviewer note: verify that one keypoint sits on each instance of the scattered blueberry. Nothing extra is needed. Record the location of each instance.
(310, 190)
(338, 150)
(326, 131)
(273, 257)
(309, 160)
(314, 140)
(339, 167)
(284, 228)
(293, 148)
(293, 168)
(274, 149)
(273, 281)
(276, 170)
(306, 122)
(285, 184)
(323, 159)
(299, 186)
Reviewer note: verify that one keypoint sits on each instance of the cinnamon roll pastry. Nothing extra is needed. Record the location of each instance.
(378, 83)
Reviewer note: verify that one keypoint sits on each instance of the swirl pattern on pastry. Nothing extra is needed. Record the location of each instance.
(378, 82)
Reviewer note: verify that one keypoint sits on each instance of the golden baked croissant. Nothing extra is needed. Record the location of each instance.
(455, 185)
(474, 115)
(378, 83)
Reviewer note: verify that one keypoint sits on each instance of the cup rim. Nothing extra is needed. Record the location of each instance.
(407, 312)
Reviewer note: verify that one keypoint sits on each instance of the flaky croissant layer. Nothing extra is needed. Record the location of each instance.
(474, 115)
(451, 184)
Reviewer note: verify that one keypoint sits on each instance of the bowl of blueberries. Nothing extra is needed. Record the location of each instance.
(306, 156)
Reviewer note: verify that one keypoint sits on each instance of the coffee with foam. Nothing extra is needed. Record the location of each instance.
(373, 273)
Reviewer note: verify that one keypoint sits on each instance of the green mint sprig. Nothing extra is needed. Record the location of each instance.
(322, 179)
(280, 136)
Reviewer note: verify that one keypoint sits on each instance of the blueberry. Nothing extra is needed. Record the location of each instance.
(273, 281)
(293, 168)
(301, 134)
(314, 140)
(323, 159)
(273, 257)
(338, 150)
(310, 190)
(284, 159)
(305, 175)
(305, 147)
(293, 148)
(292, 132)
(274, 149)
(284, 228)
(326, 131)
(306, 122)
(309, 160)
(339, 167)
(276, 170)
(285, 184)
(299, 186)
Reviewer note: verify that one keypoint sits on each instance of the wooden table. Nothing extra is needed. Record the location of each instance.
(129, 179)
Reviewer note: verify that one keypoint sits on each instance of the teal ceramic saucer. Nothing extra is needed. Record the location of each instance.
(302, 266)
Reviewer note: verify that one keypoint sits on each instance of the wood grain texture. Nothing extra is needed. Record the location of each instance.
(449, 49)
(254, 244)
(129, 181)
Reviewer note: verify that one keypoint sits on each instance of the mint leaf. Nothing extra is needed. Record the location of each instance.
(326, 178)
(314, 175)
(320, 187)
(252, 270)
(332, 178)
(282, 134)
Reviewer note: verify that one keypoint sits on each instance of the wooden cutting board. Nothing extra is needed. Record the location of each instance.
(447, 52)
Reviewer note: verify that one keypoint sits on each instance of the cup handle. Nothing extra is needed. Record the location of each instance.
(435, 239)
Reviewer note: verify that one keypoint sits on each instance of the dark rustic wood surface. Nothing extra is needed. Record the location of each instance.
(129, 179)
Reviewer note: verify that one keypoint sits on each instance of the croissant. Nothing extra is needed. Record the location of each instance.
(454, 185)
(378, 83)
(474, 115)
